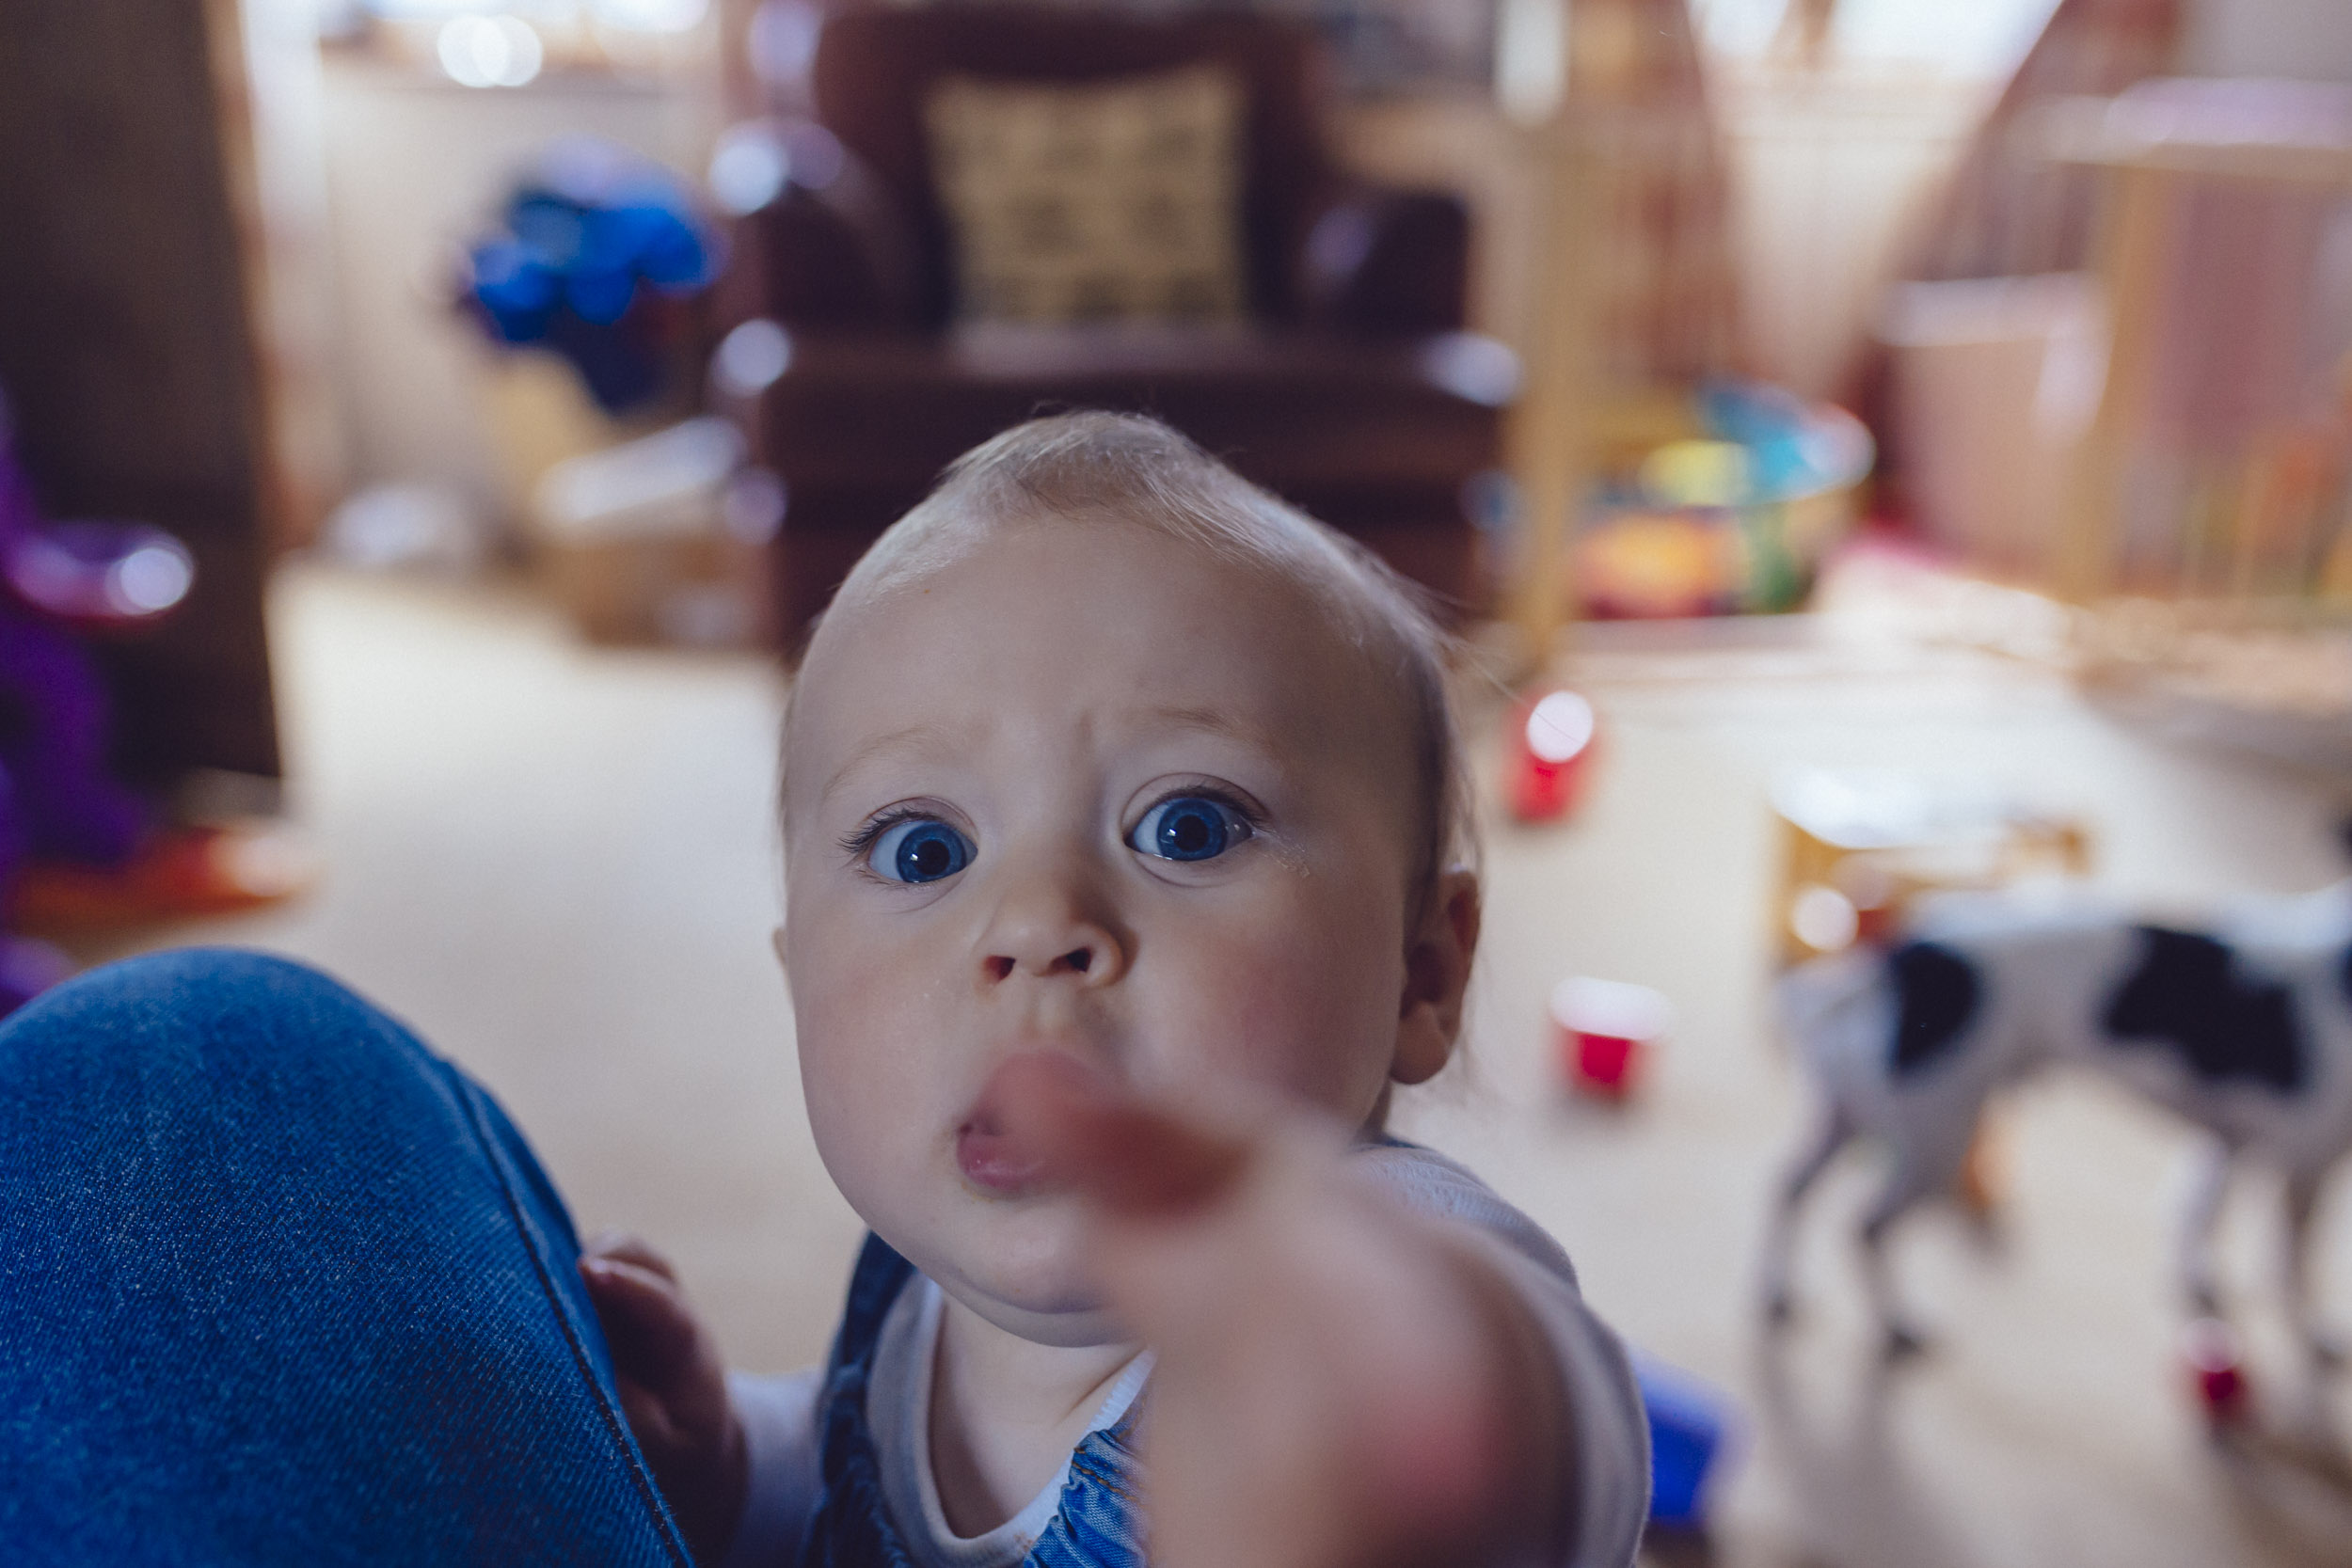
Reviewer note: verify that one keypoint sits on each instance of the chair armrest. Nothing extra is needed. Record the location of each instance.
(1378, 261)
(826, 246)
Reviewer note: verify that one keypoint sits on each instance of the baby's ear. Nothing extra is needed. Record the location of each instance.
(1436, 974)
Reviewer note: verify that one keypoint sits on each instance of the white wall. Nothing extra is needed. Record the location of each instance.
(2310, 38)
(1827, 188)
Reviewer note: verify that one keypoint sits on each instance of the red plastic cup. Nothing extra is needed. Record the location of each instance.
(1605, 1063)
(1605, 1030)
(2217, 1370)
(1552, 741)
(1875, 926)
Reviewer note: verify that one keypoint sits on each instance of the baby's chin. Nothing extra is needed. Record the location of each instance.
(1021, 1265)
(1066, 1323)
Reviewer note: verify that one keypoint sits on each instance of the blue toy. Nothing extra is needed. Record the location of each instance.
(1690, 1426)
(601, 251)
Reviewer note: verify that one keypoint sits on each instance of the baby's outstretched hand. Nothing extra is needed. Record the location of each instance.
(1338, 1382)
(674, 1389)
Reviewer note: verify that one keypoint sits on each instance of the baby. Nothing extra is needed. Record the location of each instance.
(1126, 874)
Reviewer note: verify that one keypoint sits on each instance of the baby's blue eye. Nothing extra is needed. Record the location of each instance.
(922, 849)
(1189, 828)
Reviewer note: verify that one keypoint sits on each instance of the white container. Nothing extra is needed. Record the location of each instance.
(658, 540)
(1994, 382)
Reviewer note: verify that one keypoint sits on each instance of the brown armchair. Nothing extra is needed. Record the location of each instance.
(1352, 391)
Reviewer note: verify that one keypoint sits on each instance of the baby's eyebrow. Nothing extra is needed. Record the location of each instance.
(936, 737)
(914, 738)
(1211, 721)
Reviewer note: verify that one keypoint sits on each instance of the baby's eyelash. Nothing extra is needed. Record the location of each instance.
(1203, 790)
(856, 844)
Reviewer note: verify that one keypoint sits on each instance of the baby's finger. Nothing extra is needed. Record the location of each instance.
(650, 1422)
(645, 1321)
(621, 1244)
(1082, 1133)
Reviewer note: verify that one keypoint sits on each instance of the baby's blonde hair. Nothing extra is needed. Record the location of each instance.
(1098, 467)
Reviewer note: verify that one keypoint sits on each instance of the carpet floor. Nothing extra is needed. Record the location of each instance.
(560, 864)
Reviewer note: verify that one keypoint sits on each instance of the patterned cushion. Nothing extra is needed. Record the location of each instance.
(1100, 203)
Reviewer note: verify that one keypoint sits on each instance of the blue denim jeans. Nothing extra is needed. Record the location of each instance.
(279, 1286)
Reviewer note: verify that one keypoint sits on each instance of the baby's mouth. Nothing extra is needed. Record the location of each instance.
(990, 1159)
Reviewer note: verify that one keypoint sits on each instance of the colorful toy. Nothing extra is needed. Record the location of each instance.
(2241, 1023)
(601, 253)
(1716, 505)
(1552, 746)
(1690, 1427)
(1606, 1028)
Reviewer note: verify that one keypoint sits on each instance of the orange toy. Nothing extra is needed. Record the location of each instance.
(178, 873)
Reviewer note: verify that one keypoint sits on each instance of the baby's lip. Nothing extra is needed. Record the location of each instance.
(991, 1162)
(985, 1152)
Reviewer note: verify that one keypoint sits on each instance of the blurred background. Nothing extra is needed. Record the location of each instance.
(1870, 447)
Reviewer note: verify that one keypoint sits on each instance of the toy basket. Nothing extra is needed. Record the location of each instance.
(1722, 504)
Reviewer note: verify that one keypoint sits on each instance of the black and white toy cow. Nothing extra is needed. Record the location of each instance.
(2242, 1024)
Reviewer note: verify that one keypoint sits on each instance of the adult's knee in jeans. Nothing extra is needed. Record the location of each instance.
(195, 1008)
(191, 1083)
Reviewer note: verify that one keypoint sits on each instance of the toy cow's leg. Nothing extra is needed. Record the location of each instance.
(2303, 1190)
(2208, 1185)
(1780, 1239)
(1927, 1159)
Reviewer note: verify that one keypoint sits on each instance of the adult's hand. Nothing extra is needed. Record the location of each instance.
(1339, 1382)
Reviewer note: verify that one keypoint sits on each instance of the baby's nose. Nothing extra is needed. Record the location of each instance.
(1078, 960)
(1046, 938)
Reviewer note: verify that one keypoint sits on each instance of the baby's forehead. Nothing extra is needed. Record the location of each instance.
(1301, 600)
(971, 596)
(941, 537)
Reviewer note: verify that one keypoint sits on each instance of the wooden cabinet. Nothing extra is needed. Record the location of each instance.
(127, 344)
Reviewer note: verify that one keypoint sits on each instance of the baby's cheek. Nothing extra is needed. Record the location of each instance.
(844, 1111)
(856, 1075)
(1297, 1017)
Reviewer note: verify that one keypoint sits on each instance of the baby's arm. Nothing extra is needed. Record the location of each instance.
(1343, 1378)
(779, 1417)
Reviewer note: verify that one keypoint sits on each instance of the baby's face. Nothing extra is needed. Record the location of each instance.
(1087, 790)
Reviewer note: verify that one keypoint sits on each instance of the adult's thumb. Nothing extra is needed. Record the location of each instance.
(1083, 1131)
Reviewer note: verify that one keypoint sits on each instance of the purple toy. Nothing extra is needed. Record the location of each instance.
(56, 799)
